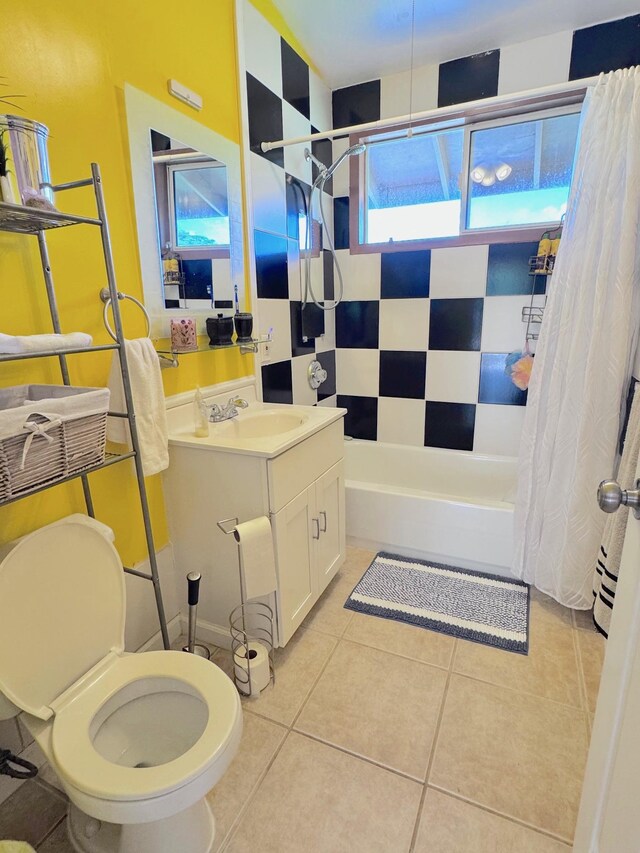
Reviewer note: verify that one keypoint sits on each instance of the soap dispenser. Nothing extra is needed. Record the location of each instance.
(200, 419)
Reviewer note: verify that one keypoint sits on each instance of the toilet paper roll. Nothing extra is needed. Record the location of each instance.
(257, 664)
(257, 559)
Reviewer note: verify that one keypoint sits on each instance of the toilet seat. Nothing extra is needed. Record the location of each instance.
(63, 595)
(83, 767)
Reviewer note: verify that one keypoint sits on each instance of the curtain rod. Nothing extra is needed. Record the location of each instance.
(574, 88)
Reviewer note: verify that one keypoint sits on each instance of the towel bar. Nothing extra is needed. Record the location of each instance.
(105, 296)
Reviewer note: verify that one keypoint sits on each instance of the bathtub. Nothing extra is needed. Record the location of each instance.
(444, 505)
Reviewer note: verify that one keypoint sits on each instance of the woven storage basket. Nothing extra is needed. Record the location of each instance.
(47, 433)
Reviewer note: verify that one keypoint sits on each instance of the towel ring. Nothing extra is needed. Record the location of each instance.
(105, 295)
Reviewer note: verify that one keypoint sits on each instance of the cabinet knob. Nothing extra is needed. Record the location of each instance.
(317, 533)
(323, 529)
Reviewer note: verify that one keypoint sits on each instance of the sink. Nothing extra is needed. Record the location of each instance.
(262, 429)
(259, 425)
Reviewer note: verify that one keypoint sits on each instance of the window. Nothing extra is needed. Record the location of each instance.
(453, 182)
(198, 207)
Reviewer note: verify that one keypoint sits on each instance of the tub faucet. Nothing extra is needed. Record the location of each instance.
(225, 413)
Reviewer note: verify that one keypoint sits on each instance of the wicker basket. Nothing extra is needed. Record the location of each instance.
(47, 433)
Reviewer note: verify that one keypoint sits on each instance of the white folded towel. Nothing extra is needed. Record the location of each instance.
(257, 559)
(15, 344)
(148, 402)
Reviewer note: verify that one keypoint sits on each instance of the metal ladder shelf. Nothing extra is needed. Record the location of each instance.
(17, 219)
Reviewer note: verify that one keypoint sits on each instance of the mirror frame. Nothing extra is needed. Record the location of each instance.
(143, 114)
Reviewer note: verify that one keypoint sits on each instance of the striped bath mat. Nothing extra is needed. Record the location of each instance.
(484, 608)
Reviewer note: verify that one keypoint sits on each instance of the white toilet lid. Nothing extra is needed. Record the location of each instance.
(63, 609)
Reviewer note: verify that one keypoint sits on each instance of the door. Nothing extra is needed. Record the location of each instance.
(331, 543)
(293, 527)
(609, 817)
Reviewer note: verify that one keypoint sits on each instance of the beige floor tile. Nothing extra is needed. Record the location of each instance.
(520, 755)
(31, 813)
(58, 841)
(377, 705)
(297, 666)
(260, 741)
(25, 734)
(389, 635)
(320, 800)
(544, 608)
(583, 619)
(328, 613)
(549, 670)
(592, 647)
(180, 642)
(8, 787)
(357, 562)
(10, 737)
(46, 773)
(448, 825)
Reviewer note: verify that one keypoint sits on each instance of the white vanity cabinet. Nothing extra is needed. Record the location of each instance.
(300, 489)
(309, 538)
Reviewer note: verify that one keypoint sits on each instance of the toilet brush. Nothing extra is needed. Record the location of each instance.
(193, 586)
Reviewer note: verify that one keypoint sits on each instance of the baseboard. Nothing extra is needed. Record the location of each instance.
(207, 631)
(174, 629)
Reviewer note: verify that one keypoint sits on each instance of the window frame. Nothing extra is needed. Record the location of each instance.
(213, 252)
(478, 118)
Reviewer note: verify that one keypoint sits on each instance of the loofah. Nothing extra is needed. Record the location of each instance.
(518, 367)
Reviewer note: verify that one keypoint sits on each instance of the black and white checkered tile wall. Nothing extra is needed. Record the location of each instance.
(286, 98)
(416, 350)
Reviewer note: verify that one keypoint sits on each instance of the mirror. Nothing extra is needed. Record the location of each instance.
(188, 201)
(192, 218)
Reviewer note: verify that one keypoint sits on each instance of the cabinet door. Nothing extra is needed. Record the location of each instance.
(331, 546)
(294, 528)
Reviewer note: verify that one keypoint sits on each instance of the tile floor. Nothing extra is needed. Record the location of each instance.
(379, 736)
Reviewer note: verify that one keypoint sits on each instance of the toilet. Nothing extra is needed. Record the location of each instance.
(137, 740)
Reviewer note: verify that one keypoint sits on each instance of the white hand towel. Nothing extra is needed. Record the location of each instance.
(257, 560)
(15, 344)
(148, 403)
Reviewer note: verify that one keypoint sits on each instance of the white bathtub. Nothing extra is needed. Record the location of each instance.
(444, 505)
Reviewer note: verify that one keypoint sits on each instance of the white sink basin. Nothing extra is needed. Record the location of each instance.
(262, 429)
(259, 425)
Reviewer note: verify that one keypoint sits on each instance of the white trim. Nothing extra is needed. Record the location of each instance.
(215, 635)
(245, 161)
(230, 387)
(174, 629)
(143, 113)
(574, 87)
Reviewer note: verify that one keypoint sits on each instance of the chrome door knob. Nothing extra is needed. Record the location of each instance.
(611, 496)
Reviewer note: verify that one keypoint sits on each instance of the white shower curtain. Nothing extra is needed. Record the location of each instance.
(584, 354)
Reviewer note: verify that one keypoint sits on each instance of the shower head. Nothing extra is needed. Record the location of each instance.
(354, 151)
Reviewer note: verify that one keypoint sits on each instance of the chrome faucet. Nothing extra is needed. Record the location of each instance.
(225, 413)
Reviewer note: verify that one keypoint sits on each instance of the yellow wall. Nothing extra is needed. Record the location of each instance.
(71, 60)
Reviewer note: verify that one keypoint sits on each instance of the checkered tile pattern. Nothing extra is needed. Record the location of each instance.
(416, 350)
(426, 359)
(286, 98)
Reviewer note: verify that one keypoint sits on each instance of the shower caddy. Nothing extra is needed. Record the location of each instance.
(19, 219)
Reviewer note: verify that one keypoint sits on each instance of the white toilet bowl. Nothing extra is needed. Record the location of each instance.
(136, 740)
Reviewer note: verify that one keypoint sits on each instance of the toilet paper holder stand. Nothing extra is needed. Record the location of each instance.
(249, 622)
